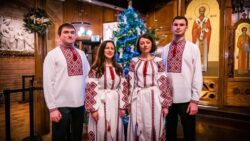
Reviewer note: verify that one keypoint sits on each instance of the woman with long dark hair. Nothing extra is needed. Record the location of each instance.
(106, 96)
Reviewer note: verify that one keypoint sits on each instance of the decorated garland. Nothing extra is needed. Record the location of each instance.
(36, 20)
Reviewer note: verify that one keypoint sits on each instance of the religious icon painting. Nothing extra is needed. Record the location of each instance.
(203, 17)
(242, 48)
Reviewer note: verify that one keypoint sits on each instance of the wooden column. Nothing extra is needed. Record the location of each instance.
(41, 112)
(226, 25)
(181, 7)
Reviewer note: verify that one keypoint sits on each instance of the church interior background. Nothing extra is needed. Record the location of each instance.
(224, 40)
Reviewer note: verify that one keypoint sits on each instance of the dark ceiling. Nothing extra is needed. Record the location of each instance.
(143, 6)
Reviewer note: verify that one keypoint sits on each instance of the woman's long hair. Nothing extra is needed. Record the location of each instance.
(99, 64)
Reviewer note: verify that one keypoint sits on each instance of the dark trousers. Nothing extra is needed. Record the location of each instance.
(187, 121)
(70, 126)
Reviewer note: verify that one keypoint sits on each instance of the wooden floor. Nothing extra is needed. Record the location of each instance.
(212, 124)
(223, 124)
(210, 128)
(19, 121)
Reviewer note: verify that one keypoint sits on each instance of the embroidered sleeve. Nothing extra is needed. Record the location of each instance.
(123, 92)
(91, 101)
(164, 85)
(161, 66)
(131, 79)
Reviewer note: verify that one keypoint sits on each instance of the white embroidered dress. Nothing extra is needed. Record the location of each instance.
(149, 91)
(106, 95)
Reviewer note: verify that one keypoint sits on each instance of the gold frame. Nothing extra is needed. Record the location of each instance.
(240, 24)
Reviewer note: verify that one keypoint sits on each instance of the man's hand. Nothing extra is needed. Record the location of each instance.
(192, 108)
(55, 115)
(95, 116)
(164, 112)
(122, 113)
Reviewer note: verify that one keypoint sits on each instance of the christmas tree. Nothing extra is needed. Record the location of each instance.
(130, 26)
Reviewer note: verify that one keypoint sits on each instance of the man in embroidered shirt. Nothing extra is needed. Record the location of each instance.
(182, 61)
(65, 70)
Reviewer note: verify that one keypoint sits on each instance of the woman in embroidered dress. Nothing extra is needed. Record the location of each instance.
(149, 94)
(106, 96)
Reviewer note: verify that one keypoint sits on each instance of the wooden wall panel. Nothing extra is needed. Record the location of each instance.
(210, 91)
(96, 20)
(75, 11)
(12, 69)
(161, 20)
(55, 12)
(109, 15)
(238, 93)
(70, 10)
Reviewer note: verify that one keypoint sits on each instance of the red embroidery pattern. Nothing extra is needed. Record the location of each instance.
(91, 136)
(194, 101)
(175, 57)
(145, 68)
(153, 73)
(92, 73)
(144, 72)
(165, 91)
(136, 72)
(163, 135)
(125, 94)
(130, 83)
(74, 61)
(160, 66)
(132, 66)
(112, 73)
(90, 94)
(129, 78)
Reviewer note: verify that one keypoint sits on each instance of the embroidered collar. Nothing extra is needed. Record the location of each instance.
(179, 42)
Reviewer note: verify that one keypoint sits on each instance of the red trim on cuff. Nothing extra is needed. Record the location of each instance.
(165, 106)
(53, 109)
(92, 111)
(194, 101)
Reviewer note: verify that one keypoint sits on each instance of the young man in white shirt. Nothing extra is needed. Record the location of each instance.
(65, 70)
(183, 65)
